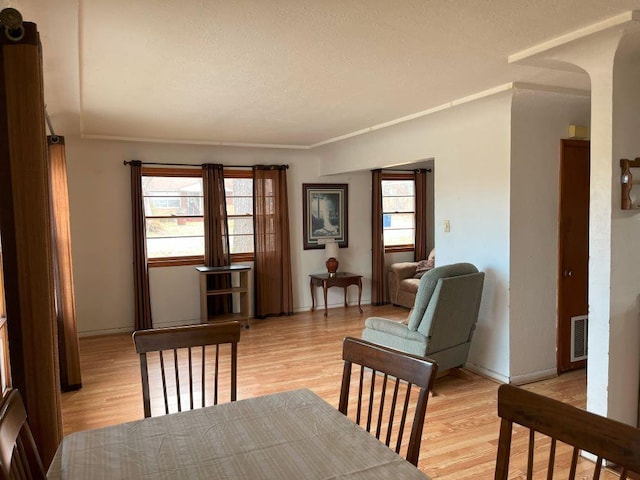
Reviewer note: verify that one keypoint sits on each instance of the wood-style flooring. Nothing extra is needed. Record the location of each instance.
(304, 351)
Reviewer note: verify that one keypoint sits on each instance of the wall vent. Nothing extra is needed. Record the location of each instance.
(579, 330)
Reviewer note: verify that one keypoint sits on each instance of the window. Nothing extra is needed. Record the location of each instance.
(398, 211)
(238, 190)
(174, 215)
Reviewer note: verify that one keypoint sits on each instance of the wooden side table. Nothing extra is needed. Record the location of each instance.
(341, 279)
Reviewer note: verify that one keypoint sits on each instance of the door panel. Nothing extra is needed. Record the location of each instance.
(573, 274)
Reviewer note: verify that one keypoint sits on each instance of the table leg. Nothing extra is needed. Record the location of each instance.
(359, 294)
(324, 290)
(313, 296)
(345, 295)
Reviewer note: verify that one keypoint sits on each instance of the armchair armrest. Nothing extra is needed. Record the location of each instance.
(403, 270)
(394, 328)
(397, 273)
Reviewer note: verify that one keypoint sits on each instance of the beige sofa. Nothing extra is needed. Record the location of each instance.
(402, 284)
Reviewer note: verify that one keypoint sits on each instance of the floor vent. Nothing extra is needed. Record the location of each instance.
(579, 330)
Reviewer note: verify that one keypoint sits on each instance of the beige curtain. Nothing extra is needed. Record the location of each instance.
(272, 273)
(69, 354)
(420, 244)
(378, 290)
(216, 235)
(141, 290)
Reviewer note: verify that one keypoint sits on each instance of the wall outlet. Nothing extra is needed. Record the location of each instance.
(447, 226)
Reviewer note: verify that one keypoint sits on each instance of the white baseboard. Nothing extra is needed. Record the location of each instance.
(486, 373)
(130, 329)
(534, 377)
(515, 380)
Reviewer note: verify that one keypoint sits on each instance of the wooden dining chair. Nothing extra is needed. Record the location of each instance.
(557, 432)
(386, 372)
(19, 457)
(185, 359)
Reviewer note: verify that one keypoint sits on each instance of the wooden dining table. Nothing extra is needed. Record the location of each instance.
(288, 435)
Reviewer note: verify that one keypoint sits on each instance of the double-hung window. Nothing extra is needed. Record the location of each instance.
(238, 190)
(398, 212)
(174, 215)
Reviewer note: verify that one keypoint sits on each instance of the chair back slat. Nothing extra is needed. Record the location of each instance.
(19, 456)
(178, 344)
(561, 427)
(381, 364)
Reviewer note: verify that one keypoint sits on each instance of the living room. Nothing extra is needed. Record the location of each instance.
(494, 156)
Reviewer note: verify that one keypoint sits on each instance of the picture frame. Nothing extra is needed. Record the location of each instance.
(325, 214)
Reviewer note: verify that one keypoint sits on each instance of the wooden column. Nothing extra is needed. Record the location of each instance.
(25, 226)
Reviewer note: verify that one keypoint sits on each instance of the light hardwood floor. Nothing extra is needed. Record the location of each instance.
(304, 351)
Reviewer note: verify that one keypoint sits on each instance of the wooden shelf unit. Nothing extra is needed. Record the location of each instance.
(207, 289)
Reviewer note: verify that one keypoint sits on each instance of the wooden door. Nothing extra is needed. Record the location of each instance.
(573, 273)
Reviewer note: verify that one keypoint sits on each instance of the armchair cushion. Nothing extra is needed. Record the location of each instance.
(392, 327)
(394, 335)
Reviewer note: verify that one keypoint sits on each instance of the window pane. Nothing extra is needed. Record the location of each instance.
(399, 229)
(398, 204)
(172, 196)
(239, 226)
(399, 220)
(172, 206)
(239, 206)
(174, 247)
(392, 188)
(399, 237)
(238, 187)
(171, 186)
(175, 227)
(239, 193)
(241, 244)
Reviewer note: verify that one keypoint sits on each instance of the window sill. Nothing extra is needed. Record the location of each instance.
(195, 260)
(399, 248)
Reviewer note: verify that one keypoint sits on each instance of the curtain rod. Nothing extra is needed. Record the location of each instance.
(125, 162)
(400, 171)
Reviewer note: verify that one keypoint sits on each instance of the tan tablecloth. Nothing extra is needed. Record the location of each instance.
(290, 435)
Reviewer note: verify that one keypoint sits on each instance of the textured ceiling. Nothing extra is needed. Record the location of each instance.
(287, 72)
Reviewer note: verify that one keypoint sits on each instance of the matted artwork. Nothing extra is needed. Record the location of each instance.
(325, 214)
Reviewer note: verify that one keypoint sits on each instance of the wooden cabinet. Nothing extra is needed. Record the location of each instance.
(236, 285)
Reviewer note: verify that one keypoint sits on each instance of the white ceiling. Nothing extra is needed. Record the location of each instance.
(285, 72)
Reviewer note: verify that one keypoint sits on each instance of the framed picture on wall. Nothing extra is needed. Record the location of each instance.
(325, 212)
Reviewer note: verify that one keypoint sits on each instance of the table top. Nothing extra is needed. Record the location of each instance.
(289, 435)
(325, 276)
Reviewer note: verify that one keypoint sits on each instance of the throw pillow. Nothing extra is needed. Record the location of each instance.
(422, 268)
(431, 260)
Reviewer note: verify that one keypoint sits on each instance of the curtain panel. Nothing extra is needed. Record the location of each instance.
(420, 243)
(141, 290)
(216, 236)
(273, 290)
(25, 223)
(378, 291)
(68, 347)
